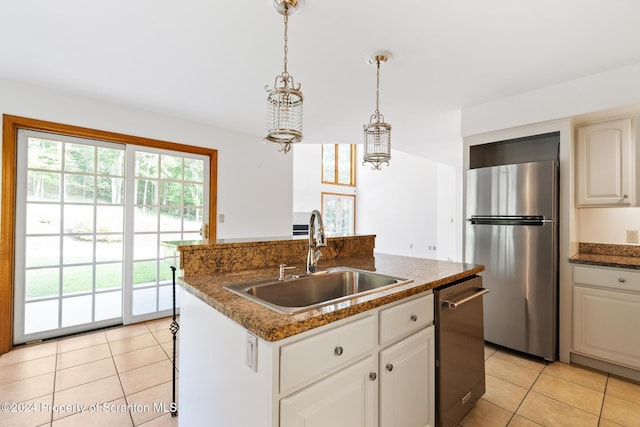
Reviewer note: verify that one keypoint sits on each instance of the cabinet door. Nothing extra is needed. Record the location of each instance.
(606, 164)
(605, 325)
(345, 399)
(407, 382)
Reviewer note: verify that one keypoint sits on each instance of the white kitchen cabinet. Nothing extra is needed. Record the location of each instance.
(345, 399)
(407, 371)
(606, 315)
(406, 374)
(332, 375)
(606, 164)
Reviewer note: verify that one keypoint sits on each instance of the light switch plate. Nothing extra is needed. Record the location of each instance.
(632, 236)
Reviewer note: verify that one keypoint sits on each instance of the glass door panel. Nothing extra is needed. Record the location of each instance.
(71, 235)
(169, 206)
(339, 213)
(99, 231)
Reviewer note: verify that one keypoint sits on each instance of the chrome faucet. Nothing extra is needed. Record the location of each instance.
(316, 240)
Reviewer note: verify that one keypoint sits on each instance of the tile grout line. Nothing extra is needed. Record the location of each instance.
(599, 416)
(160, 345)
(604, 396)
(57, 353)
(139, 391)
(53, 391)
(124, 395)
(604, 392)
(515, 412)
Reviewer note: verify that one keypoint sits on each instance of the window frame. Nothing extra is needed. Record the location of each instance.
(336, 170)
(10, 126)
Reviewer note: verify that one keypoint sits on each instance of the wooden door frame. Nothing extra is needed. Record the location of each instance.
(10, 126)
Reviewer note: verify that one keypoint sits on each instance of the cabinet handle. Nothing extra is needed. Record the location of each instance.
(622, 280)
(389, 367)
(414, 317)
(338, 351)
(625, 196)
(373, 376)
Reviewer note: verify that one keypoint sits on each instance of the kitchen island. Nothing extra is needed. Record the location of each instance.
(244, 364)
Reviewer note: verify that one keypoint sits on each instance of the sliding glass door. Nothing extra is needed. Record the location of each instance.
(167, 200)
(96, 228)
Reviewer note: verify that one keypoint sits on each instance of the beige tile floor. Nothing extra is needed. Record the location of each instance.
(523, 392)
(120, 376)
(127, 370)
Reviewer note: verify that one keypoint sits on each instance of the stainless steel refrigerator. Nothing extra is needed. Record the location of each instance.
(511, 228)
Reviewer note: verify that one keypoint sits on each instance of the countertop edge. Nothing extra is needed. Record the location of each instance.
(272, 326)
(606, 261)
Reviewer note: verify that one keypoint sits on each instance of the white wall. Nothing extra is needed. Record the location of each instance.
(597, 92)
(254, 180)
(399, 204)
(408, 205)
(307, 177)
(449, 217)
(607, 225)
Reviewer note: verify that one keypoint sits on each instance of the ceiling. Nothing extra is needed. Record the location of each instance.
(209, 60)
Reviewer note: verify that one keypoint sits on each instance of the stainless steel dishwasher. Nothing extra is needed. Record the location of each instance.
(459, 349)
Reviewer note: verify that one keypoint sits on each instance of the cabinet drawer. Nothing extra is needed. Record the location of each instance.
(317, 356)
(608, 278)
(403, 319)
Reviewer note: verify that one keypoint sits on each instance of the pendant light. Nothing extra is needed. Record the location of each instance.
(284, 102)
(377, 134)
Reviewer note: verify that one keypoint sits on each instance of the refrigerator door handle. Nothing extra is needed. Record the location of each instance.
(477, 293)
(537, 220)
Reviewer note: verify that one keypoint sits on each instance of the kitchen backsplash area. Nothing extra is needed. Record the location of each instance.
(240, 256)
(608, 225)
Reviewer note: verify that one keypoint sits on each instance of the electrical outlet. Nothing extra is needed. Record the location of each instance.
(252, 352)
(632, 236)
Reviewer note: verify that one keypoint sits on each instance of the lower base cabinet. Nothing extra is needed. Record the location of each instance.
(605, 325)
(350, 397)
(347, 398)
(606, 314)
(407, 370)
(375, 369)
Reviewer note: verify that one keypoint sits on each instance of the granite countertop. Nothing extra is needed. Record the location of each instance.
(606, 260)
(607, 255)
(272, 326)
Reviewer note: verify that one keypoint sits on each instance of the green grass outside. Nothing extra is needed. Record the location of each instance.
(44, 282)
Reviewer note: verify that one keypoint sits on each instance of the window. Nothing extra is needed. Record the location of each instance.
(339, 214)
(338, 164)
(83, 203)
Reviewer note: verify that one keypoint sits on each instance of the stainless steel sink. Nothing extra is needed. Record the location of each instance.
(303, 293)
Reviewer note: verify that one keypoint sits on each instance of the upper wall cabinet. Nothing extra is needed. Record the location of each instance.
(606, 164)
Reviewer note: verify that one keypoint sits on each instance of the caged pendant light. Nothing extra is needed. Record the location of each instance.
(284, 102)
(377, 134)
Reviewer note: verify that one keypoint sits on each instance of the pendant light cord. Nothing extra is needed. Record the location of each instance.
(286, 39)
(378, 90)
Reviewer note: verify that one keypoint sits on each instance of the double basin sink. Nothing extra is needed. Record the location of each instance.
(311, 291)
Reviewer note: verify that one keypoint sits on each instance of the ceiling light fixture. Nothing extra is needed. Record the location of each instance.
(284, 102)
(377, 134)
